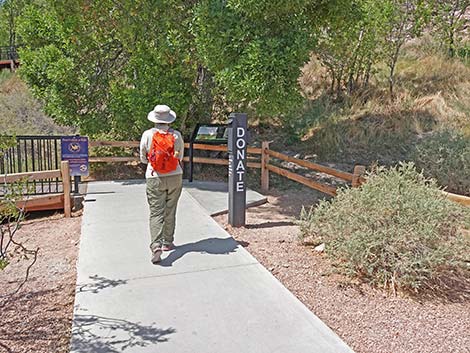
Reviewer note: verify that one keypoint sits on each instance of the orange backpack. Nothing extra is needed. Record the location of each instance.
(162, 152)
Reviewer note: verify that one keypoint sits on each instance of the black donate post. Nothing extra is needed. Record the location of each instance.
(237, 149)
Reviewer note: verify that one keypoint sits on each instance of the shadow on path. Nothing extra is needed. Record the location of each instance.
(213, 246)
(131, 182)
(99, 283)
(117, 335)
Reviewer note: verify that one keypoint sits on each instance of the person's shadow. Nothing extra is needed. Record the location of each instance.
(213, 246)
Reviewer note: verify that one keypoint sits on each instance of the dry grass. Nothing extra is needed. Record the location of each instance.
(314, 78)
(432, 92)
(20, 113)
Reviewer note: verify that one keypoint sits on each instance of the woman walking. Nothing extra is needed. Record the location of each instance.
(162, 149)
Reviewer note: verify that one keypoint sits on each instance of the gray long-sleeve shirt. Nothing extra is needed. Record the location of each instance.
(146, 143)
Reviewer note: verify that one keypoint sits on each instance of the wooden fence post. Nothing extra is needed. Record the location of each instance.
(359, 171)
(65, 171)
(264, 166)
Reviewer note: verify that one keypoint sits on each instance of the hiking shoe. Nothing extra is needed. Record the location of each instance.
(157, 256)
(168, 247)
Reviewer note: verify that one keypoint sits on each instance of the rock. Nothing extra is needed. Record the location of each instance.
(311, 156)
(320, 248)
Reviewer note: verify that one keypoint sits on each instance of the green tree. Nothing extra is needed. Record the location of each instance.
(349, 45)
(101, 66)
(450, 22)
(405, 20)
(10, 10)
(367, 32)
(256, 48)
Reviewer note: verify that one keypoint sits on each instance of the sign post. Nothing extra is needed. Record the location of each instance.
(75, 150)
(237, 148)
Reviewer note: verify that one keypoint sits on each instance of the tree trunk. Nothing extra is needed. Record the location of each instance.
(392, 66)
(339, 80)
(352, 68)
(391, 82)
(200, 110)
(367, 73)
(12, 33)
(451, 34)
(333, 81)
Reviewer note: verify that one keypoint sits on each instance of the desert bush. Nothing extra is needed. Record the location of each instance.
(11, 217)
(445, 156)
(397, 231)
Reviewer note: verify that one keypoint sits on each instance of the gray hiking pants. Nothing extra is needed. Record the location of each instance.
(162, 196)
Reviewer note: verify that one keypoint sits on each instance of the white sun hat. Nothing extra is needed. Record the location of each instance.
(162, 114)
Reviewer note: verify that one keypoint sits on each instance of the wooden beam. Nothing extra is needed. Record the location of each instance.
(463, 200)
(113, 159)
(204, 160)
(254, 165)
(205, 147)
(358, 180)
(30, 176)
(303, 180)
(130, 144)
(42, 203)
(216, 161)
(196, 146)
(313, 166)
(65, 171)
(220, 148)
(254, 150)
(264, 167)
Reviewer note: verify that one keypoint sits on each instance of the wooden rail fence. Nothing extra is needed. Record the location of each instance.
(463, 200)
(260, 158)
(257, 158)
(48, 202)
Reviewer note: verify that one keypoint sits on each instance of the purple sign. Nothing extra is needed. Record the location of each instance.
(75, 150)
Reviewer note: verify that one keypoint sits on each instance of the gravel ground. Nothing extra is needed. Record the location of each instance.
(38, 318)
(368, 320)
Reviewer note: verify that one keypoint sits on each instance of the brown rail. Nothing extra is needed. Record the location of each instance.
(330, 190)
(114, 144)
(463, 200)
(313, 166)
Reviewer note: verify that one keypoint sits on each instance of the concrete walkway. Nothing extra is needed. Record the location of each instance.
(209, 295)
(213, 196)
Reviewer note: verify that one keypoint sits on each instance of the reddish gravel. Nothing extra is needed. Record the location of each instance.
(368, 320)
(39, 317)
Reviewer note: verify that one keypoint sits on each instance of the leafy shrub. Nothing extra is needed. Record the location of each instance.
(397, 230)
(445, 156)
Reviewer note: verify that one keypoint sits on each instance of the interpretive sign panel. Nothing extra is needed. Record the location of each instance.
(75, 150)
